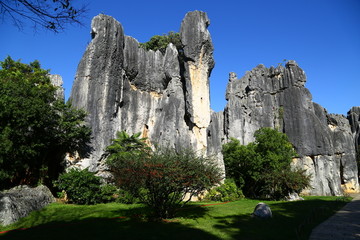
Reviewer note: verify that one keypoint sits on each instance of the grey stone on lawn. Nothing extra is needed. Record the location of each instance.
(18, 202)
(262, 210)
(293, 197)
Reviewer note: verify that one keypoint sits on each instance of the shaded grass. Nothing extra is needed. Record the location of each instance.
(291, 220)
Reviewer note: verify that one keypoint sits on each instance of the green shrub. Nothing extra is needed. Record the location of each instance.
(225, 192)
(162, 179)
(262, 168)
(81, 186)
(108, 193)
(280, 183)
(123, 196)
(160, 42)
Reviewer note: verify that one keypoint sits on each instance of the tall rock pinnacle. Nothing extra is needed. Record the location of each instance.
(125, 87)
(199, 62)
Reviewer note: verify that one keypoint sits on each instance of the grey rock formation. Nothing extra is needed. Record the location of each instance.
(57, 81)
(276, 98)
(165, 96)
(124, 87)
(262, 210)
(354, 119)
(18, 202)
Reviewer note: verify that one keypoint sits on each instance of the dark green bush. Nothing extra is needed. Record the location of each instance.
(160, 42)
(263, 168)
(123, 196)
(81, 186)
(280, 183)
(108, 193)
(225, 192)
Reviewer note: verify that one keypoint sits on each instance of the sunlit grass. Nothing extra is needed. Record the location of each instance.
(198, 221)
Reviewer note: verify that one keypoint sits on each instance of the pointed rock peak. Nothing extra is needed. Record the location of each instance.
(104, 23)
(355, 110)
(197, 16)
(291, 63)
(232, 76)
(194, 34)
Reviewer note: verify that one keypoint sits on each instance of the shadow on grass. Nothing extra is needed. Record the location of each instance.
(130, 224)
(291, 220)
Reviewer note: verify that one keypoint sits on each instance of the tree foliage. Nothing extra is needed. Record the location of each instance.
(53, 15)
(160, 42)
(164, 179)
(263, 168)
(36, 129)
(126, 146)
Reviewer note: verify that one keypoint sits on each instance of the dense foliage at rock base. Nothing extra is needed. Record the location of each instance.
(263, 168)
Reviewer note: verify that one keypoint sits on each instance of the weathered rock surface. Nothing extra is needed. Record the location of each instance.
(165, 96)
(277, 98)
(57, 81)
(354, 119)
(125, 87)
(18, 202)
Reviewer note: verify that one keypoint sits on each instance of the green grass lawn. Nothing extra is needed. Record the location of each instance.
(291, 220)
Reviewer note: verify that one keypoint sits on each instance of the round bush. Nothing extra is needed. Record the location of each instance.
(81, 186)
(225, 192)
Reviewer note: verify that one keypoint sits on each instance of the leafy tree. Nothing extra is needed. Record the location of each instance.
(36, 129)
(164, 179)
(52, 15)
(263, 168)
(160, 42)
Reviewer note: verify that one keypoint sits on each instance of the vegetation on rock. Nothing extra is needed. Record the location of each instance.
(160, 42)
(263, 168)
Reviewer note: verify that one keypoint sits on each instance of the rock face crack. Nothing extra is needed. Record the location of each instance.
(166, 97)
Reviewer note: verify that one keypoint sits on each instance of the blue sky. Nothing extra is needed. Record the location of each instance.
(323, 36)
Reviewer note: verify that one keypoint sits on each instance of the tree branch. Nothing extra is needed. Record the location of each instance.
(52, 16)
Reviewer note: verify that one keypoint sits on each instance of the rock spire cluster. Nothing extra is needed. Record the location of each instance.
(166, 97)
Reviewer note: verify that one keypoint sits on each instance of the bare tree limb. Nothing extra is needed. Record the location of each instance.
(52, 15)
